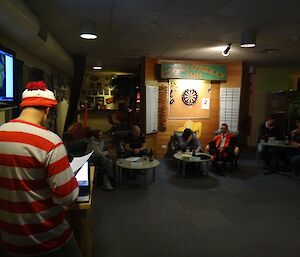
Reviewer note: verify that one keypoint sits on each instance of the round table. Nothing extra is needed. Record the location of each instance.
(187, 157)
(140, 164)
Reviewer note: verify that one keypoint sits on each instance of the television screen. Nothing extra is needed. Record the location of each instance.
(6, 77)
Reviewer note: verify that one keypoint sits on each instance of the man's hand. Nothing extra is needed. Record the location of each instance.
(136, 151)
(207, 148)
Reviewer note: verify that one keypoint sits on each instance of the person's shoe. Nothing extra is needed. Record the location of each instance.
(108, 187)
(221, 172)
(106, 184)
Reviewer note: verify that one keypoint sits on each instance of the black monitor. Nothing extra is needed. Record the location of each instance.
(7, 92)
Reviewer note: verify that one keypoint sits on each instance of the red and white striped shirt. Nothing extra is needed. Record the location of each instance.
(35, 182)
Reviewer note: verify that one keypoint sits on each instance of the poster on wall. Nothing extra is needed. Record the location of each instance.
(205, 103)
(189, 99)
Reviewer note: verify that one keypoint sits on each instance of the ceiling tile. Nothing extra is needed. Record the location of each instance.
(132, 21)
(142, 4)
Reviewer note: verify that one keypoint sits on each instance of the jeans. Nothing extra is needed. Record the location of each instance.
(296, 163)
(70, 249)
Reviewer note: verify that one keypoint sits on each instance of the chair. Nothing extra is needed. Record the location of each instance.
(233, 157)
(113, 120)
(75, 141)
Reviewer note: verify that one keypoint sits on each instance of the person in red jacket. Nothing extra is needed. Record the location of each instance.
(36, 181)
(223, 147)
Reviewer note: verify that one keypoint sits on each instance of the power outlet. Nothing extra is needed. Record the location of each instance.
(164, 146)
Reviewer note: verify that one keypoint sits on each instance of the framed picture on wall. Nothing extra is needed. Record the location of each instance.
(90, 102)
(99, 101)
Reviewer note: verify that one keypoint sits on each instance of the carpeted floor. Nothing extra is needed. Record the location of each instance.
(244, 214)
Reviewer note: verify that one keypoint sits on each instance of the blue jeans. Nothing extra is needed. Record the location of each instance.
(296, 162)
(70, 249)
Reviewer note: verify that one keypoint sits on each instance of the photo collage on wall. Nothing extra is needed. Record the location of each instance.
(97, 92)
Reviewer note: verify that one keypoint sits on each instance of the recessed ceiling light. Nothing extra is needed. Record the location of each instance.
(248, 39)
(88, 36)
(88, 29)
(97, 67)
(270, 50)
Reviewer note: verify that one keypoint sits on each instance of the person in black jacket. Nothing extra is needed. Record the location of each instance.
(135, 143)
(188, 140)
(268, 130)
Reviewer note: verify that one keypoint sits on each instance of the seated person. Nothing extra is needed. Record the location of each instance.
(223, 147)
(295, 134)
(268, 130)
(292, 155)
(135, 144)
(100, 158)
(296, 164)
(189, 141)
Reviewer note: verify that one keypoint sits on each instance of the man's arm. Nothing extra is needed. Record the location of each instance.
(143, 147)
(60, 177)
(127, 147)
(261, 131)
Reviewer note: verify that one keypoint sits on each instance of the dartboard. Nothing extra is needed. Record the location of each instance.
(189, 96)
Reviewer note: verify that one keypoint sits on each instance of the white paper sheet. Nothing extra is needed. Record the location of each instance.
(133, 159)
(205, 103)
(77, 162)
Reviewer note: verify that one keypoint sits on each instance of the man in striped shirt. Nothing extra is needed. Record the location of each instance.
(36, 181)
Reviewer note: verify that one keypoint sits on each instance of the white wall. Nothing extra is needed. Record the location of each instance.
(62, 109)
(31, 60)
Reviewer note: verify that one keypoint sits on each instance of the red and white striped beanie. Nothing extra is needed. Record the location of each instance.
(37, 94)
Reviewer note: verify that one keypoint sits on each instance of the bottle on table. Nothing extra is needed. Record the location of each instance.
(286, 141)
(151, 155)
(266, 138)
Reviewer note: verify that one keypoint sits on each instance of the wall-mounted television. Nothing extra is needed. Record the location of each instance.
(6, 76)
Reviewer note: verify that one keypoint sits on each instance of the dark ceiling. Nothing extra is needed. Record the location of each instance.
(173, 29)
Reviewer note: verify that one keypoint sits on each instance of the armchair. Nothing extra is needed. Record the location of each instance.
(232, 150)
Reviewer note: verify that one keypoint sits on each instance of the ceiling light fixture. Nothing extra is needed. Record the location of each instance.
(227, 50)
(88, 29)
(97, 67)
(248, 39)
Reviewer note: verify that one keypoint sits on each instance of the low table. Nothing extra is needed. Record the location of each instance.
(187, 157)
(141, 164)
(278, 144)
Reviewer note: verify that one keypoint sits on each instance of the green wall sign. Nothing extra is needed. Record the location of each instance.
(193, 71)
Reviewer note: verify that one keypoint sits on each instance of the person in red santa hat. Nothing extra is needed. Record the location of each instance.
(36, 181)
(222, 147)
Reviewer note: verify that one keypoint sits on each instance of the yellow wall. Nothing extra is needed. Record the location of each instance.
(234, 79)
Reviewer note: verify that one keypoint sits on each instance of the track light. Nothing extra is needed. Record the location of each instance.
(248, 39)
(88, 29)
(226, 51)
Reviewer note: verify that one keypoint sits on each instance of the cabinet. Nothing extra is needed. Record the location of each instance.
(285, 105)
